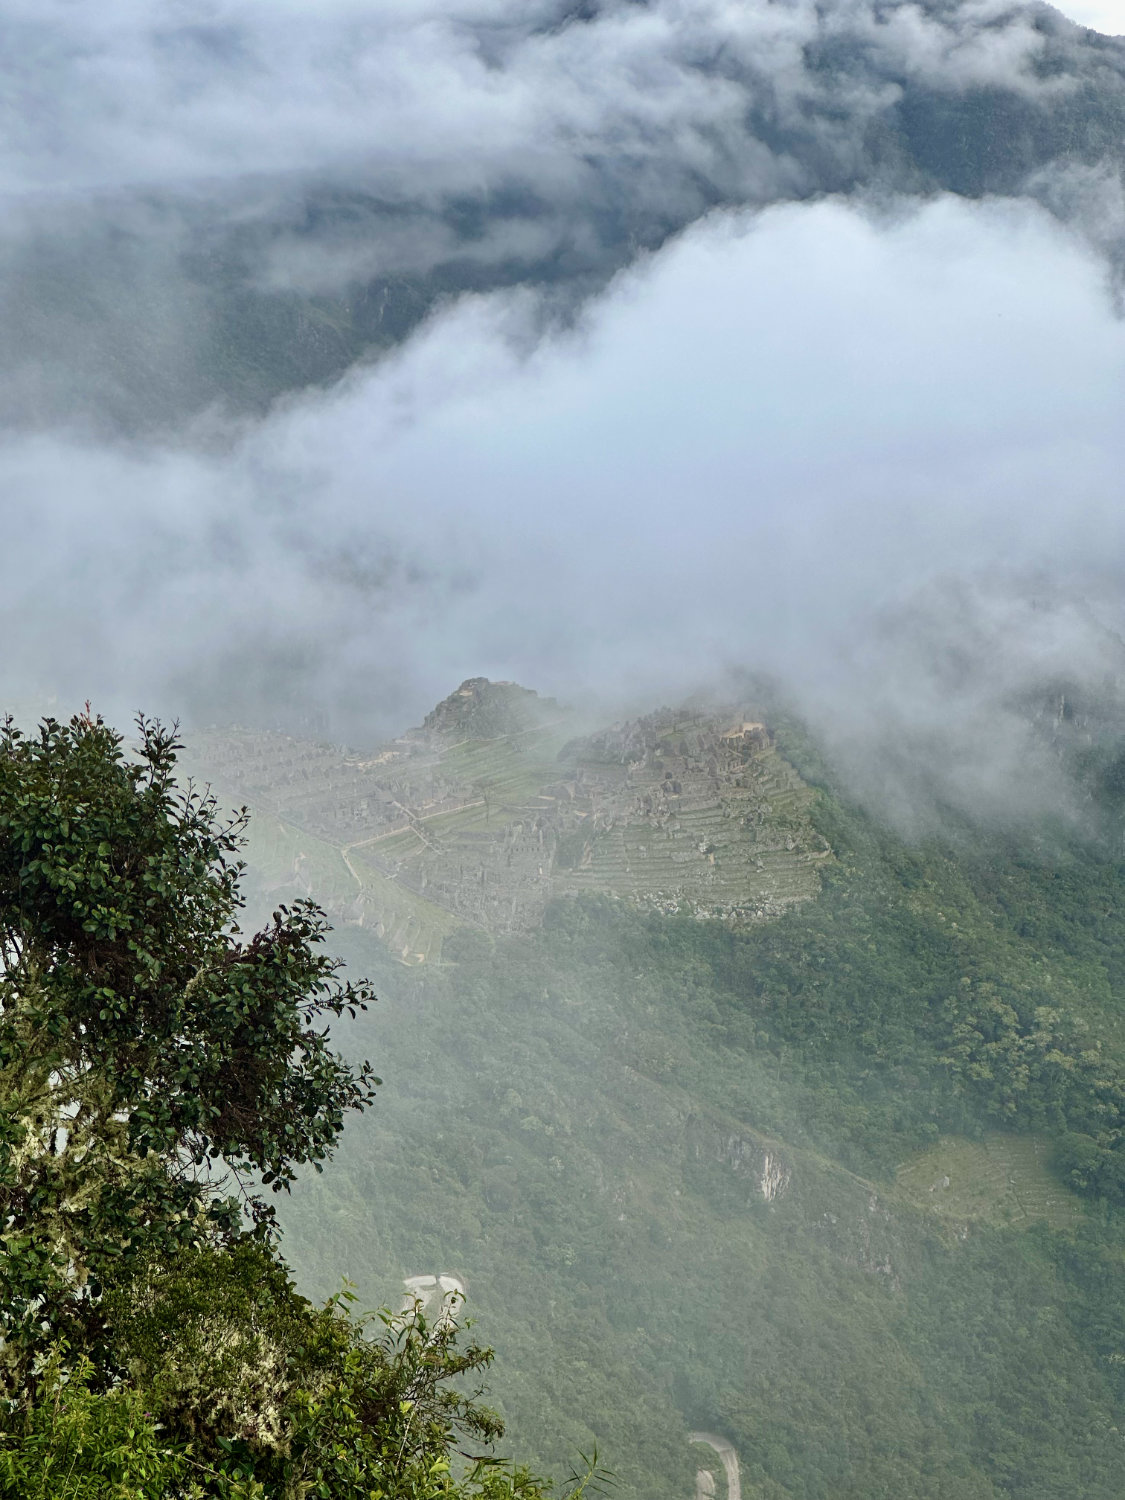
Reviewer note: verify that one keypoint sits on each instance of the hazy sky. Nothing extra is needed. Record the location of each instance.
(766, 445)
(1107, 16)
(774, 425)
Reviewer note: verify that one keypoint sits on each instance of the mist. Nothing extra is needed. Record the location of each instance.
(615, 349)
(208, 208)
(758, 446)
(766, 353)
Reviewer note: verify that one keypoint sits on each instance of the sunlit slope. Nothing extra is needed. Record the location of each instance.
(495, 806)
(1005, 1179)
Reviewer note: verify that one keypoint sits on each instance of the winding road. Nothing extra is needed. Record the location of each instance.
(726, 1452)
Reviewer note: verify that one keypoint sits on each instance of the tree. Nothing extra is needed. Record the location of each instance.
(239, 1390)
(153, 1345)
(149, 1056)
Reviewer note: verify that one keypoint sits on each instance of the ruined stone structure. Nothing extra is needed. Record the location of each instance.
(493, 806)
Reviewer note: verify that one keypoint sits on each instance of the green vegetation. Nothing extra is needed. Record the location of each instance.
(153, 1341)
(1006, 1179)
(684, 1168)
(579, 1126)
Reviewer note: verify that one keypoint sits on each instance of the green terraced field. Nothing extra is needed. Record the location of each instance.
(412, 927)
(287, 860)
(681, 811)
(743, 849)
(1005, 1179)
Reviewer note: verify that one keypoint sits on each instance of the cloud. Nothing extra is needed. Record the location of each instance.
(179, 180)
(143, 94)
(879, 457)
(632, 427)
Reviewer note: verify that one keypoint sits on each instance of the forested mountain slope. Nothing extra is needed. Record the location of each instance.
(245, 276)
(842, 1186)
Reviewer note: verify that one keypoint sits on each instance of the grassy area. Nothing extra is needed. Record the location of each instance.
(412, 928)
(1003, 1179)
(288, 861)
(285, 860)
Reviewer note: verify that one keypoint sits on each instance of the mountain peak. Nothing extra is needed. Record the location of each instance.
(484, 710)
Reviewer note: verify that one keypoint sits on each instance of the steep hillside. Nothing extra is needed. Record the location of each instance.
(494, 806)
(837, 1187)
(669, 1217)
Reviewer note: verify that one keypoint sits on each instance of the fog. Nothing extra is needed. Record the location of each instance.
(1103, 15)
(868, 442)
(172, 95)
(178, 181)
(757, 444)
(755, 352)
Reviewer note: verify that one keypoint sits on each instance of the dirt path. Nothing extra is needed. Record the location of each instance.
(412, 825)
(413, 820)
(351, 867)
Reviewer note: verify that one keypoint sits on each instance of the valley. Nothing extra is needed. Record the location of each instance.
(704, 1076)
(732, 1112)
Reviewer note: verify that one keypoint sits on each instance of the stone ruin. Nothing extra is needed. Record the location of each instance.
(485, 811)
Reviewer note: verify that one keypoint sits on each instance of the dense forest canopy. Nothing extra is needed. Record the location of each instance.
(842, 1185)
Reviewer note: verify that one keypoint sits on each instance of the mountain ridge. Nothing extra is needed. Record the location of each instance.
(494, 806)
(826, 1184)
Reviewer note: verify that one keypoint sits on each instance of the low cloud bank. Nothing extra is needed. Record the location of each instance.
(212, 205)
(880, 458)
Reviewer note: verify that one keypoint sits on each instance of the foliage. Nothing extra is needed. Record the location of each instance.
(78, 1443)
(235, 1361)
(143, 1043)
(344, 1416)
(567, 1128)
(218, 1339)
(153, 1344)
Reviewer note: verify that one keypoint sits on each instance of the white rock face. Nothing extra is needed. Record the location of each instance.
(746, 1154)
(775, 1177)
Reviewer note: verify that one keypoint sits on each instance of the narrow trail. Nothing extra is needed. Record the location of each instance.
(351, 867)
(412, 825)
(413, 820)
